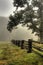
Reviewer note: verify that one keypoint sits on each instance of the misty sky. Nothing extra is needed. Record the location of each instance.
(6, 7)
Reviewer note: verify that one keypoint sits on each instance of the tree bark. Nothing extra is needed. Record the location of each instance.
(41, 24)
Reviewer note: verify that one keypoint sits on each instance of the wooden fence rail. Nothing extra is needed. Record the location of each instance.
(20, 43)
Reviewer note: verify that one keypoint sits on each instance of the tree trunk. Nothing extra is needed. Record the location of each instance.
(41, 32)
(41, 24)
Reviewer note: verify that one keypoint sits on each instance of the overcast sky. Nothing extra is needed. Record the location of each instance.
(6, 7)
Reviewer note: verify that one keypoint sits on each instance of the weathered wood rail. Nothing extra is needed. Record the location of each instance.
(27, 45)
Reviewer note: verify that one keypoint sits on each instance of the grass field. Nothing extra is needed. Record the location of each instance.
(12, 55)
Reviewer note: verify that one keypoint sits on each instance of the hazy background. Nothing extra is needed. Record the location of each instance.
(6, 8)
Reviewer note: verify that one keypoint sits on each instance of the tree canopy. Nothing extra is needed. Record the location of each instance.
(31, 16)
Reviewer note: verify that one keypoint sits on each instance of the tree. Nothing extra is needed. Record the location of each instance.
(39, 4)
(32, 16)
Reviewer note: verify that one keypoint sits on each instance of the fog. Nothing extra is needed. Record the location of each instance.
(22, 33)
(18, 34)
(4, 34)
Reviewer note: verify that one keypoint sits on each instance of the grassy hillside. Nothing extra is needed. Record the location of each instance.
(13, 55)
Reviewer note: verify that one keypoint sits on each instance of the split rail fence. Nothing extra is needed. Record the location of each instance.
(28, 45)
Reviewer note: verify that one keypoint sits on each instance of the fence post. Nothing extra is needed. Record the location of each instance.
(18, 43)
(29, 46)
(22, 44)
(13, 41)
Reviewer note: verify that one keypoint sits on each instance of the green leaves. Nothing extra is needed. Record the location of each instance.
(19, 3)
(25, 16)
(36, 3)
(14, 20)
